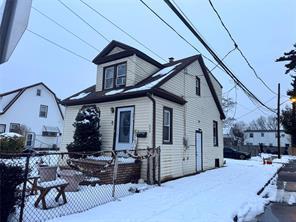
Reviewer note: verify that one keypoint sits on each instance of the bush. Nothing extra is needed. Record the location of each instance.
(11, 144)
(87, 137)
(11, 177)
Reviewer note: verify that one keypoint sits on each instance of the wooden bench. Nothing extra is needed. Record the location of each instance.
(45, 187)
(33, 181)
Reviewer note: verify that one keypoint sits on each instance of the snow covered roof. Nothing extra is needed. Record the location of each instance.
(7, 99)
(149, 85)
(10, 135)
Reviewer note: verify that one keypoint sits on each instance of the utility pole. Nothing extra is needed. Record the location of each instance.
(278, 122)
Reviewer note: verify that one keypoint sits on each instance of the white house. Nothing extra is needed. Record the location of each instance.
(266, 137)
(175, 106)
(35, 111)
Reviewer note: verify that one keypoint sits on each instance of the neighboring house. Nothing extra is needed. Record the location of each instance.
(176, 106)
(266, 137)
(35, 112)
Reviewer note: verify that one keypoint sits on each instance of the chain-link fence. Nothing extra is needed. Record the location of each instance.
(57, 184)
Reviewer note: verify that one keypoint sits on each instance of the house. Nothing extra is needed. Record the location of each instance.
(35, 112)
(267, 138)
(175, 106)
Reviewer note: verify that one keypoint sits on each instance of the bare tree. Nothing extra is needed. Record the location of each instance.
(228, 105)
(237, 132)
(264, 123)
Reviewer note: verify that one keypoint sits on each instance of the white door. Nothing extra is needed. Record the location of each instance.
(198, 147)
(124, 128)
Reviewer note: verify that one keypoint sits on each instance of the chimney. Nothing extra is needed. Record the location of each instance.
(171, 59)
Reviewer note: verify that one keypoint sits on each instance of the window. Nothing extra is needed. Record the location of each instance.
(115, 76)
(15, 128)
(215, 133)
(121, 75)
(262, 134)
(167, 129)
(29, 140)
(109, 77)
(38, 92)
(251, 135)
(43, 111)
(2, 128)
(197, 87)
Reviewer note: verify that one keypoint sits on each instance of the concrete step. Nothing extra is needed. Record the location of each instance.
(287, 176)
(290, 187)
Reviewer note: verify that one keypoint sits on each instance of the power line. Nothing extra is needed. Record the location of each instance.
(172, 28)
(238, 48)
(64, 28)
(254, 109)
(89, 25)
(227, 54)
(67, 7)
(226, 69)
(122, 30)
(57, 45)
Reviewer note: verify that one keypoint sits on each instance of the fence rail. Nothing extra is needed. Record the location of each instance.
(58, 184)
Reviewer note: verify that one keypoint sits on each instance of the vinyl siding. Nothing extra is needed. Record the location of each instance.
(129, 75)
(115, 50)
(199, 112)
(142, 122)
(171, 154)
(143, 69)
(137, 69)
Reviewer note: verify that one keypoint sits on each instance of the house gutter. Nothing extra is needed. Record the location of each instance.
(150, 96)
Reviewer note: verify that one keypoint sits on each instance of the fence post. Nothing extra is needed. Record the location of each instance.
(115, 169)
(24, 189)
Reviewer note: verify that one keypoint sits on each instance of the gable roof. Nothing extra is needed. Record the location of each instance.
(13, 95)
(149, 85)
(103, 56)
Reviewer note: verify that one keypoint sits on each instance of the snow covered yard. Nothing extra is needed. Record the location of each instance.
(215, 195)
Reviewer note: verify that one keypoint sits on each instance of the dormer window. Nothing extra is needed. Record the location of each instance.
(115, 76)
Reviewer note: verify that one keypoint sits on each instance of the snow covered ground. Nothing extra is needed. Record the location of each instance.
(215, 195)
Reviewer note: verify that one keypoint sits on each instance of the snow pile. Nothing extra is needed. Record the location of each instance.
(215, 195)
(86, 198)
(166, 70)
(112, 92)
(10, 135)
(279, 195)
(108, 158)
(79, 96)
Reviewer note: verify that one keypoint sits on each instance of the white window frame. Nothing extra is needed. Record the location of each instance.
(46, 112)
(120, 76)
(38, 92)
(3, 125)
(32, 140)
(112, 78)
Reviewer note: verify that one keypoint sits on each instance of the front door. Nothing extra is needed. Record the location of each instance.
(124, 128)
(198, 147)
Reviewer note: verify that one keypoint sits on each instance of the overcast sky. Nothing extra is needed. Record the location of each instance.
(263, 29)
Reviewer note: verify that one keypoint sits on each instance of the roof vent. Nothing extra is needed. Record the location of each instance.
(171, 59)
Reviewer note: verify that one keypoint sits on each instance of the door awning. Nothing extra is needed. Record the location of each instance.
(51, 129)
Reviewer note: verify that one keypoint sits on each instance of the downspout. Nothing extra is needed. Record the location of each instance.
(150, 96)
